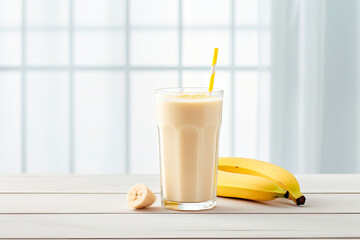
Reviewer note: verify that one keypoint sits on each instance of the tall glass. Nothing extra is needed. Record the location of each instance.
(188, 121)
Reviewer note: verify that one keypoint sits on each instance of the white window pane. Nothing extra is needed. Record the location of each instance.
(10, 13)
(47, 122)
(206, 12)
(10, 48)
(144, 145)
(222, 81)
(10, 122)
(99, 122)
(100, 48)
(265, 48)
(246, 48)
(154, 48)
(264, 116)
(265, 12)
(47, 13)
(246, 12)
(150, 13)
(199, 47)
(99, 13)
(246, 105)
(47, 48)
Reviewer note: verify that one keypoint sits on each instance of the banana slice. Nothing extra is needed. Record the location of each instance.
(140, 196)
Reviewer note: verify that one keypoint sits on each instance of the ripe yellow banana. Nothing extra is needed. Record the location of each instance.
(270, 171)
(248, 187)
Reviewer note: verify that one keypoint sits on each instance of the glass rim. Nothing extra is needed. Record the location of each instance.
(196, 90)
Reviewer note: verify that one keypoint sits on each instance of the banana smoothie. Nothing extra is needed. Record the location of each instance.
(188, 121)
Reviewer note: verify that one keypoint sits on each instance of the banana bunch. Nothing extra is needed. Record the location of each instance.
(256, 180)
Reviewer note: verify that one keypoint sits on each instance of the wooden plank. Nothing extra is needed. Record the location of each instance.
(74, 183)
(179, 226)
(311, 183)
(329, 183)
(116, 203)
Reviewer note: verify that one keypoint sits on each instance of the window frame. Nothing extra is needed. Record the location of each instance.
(126, 68)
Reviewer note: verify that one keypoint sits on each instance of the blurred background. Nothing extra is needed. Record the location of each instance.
(77, 80)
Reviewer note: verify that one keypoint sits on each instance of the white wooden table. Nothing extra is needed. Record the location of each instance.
(94, 206)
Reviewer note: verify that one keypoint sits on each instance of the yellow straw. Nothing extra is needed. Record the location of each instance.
(213, 66)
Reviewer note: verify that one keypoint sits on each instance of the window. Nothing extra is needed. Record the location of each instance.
(77, 78)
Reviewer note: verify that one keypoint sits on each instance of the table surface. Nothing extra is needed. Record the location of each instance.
(94, 206)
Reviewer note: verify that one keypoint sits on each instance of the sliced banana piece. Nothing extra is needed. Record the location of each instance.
(140, 196)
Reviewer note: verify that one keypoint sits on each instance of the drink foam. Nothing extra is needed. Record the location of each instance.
(189, 97)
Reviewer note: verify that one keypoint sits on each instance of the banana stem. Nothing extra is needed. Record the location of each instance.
(298, 201)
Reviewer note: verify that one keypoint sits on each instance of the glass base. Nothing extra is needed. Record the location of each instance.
(181, 206)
